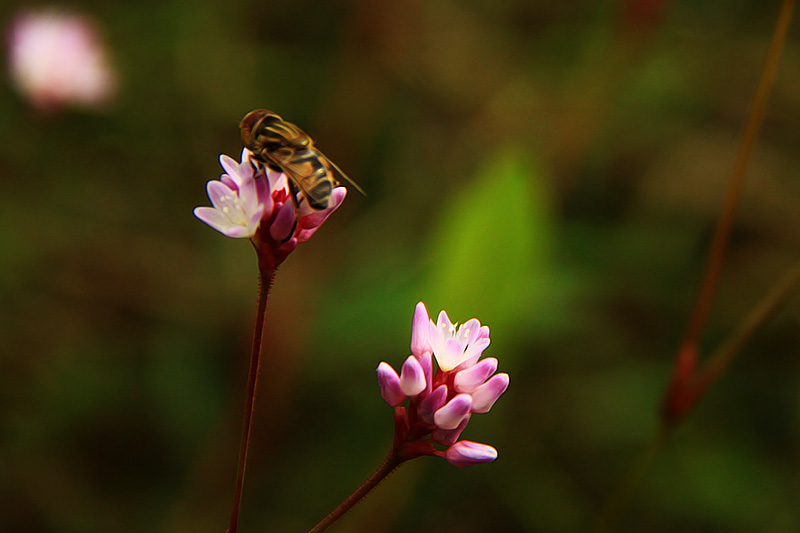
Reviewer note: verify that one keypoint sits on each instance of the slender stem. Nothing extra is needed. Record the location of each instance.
(769, 305)
(684, 371)
(389, 465)
(265, 279)
(705, 297)
(611, 515)
(685, 362)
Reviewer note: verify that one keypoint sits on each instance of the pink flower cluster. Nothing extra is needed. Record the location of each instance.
(254, 202)
(442, 400)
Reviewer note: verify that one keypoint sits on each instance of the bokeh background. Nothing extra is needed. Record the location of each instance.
(551, 168)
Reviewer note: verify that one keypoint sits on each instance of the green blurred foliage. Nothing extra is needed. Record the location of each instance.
(493, 247)
(551, 168)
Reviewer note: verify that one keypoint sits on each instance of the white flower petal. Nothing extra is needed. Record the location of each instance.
(230, 166)
(248, 197)
(212, 217)
(217, 220)
(468, 331)
(237, 200)
(239, 232)
(449, 355)
(221, 195)
(444, 325)
(474, 351)
(277, 180)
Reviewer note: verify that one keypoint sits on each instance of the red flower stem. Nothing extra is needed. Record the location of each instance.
(265, 278)
(393, 460)
(722, 232)
(768, 307)
(685, 377)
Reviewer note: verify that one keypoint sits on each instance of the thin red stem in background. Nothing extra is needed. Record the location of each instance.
(686, 360)
(687, 384)
(772, 302)
(266, 277)
(769, 305)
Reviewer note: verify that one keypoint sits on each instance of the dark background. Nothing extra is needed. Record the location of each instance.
(551, 168)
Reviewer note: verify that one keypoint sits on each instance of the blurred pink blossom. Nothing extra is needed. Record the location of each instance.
(57, 58)
(441, 403)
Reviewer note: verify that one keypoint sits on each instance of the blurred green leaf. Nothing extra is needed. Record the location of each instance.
(491, 253)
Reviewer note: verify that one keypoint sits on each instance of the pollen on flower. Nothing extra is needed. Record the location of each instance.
(455, 345)
(235, 212)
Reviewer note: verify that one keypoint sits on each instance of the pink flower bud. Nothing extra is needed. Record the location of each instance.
(432, 403)
(447, 437)
(483, 397)
(412, 377)
(467, 453)
(426, 361)
(453, 412)
(284, 222)
(470, 379)
(420, 331)
(309, 224)
(389, 382)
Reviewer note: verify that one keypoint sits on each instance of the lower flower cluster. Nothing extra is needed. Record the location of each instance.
(434, 405)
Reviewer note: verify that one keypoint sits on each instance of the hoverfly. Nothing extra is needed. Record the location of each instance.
(284, 147)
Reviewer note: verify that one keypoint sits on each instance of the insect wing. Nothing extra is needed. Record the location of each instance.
(345, 176)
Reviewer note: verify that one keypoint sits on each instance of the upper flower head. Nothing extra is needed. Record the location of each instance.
(254, 202)
(57, 58)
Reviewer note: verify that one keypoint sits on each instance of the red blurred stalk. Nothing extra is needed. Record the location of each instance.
(697, 384)
(719, 361)
(676, 403)
(265, 278)
(688, 385)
